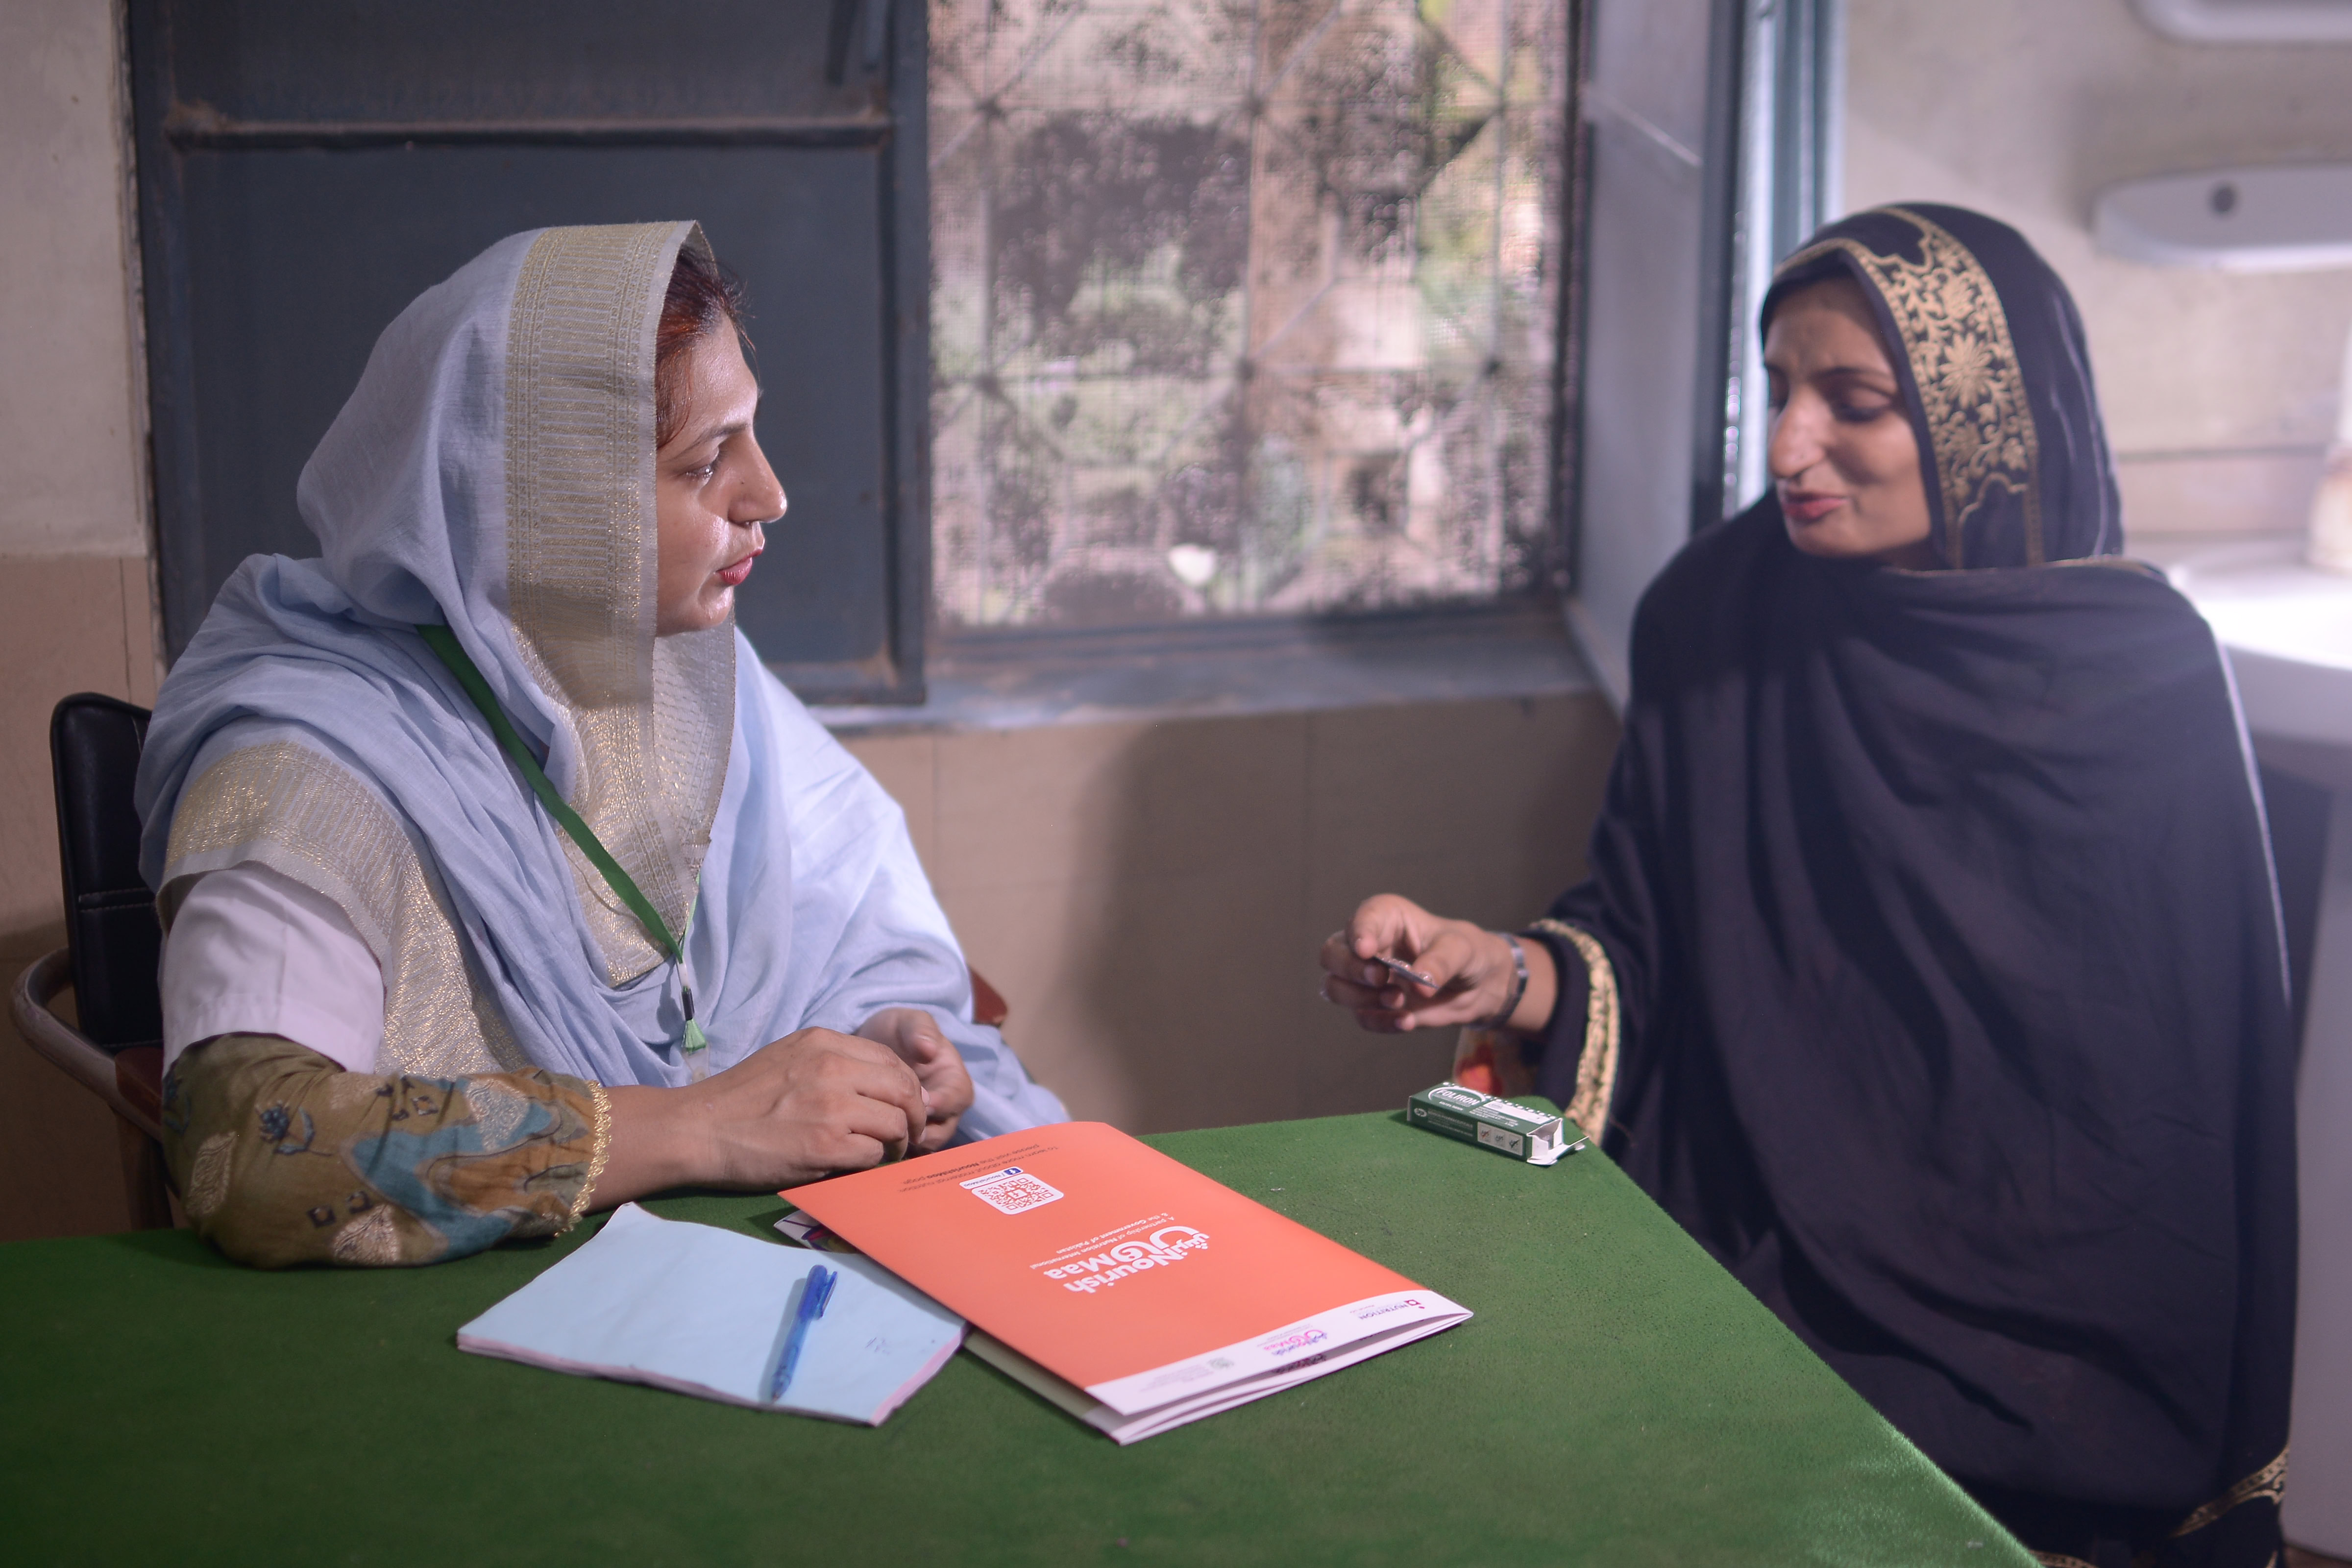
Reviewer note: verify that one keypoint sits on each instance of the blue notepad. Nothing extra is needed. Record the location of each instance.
(708, 1312)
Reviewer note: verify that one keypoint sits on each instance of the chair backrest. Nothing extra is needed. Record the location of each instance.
(111, 924)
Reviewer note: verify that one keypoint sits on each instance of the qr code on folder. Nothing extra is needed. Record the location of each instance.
(1010, 1190)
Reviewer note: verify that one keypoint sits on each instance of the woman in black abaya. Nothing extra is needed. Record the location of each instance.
(1930, 970)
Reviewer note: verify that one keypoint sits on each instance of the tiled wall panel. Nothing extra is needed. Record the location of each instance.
(1149, 897)
(80, 623)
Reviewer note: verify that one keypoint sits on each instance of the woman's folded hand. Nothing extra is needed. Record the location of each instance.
(806, 1106)
(922, 1045)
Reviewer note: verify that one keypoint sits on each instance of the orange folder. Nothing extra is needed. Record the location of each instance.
(1160, 1293)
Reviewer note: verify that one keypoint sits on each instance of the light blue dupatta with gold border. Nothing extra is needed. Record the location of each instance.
(493, 471)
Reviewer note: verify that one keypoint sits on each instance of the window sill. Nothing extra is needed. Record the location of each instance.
(1024, 680)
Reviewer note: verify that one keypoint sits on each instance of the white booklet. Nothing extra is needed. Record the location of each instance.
(711, 1312)
(1124, 1428)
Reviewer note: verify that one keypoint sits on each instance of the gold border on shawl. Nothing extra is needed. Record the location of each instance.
(1964, 362)
(600, 1152)
(581, 572)
(1596, 1071)
(2270, 1481)
(2131, 563)
(328, 832)
(281, 805)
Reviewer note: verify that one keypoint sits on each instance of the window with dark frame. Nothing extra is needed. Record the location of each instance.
(1243, 307)
(1177, 317)
(307, 167)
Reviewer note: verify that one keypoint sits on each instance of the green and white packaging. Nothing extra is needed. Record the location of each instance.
(1537, 1137)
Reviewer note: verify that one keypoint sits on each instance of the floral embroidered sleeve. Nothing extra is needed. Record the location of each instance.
(282, 1157)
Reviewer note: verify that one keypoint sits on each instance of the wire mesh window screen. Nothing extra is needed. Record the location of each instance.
(1242, 308)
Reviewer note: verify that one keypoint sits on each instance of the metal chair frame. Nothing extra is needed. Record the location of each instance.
(130, 1082)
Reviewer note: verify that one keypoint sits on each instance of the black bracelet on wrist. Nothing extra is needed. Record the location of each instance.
(1502, 1020)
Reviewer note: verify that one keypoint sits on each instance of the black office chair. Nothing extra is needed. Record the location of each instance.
(114, 943)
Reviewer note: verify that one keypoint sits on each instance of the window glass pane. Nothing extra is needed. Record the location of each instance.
(1242, 308)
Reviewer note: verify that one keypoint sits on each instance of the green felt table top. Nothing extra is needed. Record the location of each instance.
(1619, 1399)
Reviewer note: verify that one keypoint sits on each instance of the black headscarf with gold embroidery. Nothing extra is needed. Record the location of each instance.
(1996, 373)
(1951, 1010)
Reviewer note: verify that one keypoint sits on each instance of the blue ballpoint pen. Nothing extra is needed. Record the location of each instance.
(814, 1296)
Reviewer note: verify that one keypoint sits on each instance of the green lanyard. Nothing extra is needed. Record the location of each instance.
(461, 665)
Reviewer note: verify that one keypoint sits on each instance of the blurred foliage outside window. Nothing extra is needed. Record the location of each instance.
(1242, 309)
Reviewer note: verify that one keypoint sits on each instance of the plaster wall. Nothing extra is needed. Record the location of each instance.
(2221, 389)
(76, 609)
(72, 436)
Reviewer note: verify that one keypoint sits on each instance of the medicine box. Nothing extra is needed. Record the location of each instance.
(1537, 1137)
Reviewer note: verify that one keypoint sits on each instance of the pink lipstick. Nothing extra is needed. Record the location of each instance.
(733, 575)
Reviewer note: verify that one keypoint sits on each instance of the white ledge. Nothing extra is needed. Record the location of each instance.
(2249, 21)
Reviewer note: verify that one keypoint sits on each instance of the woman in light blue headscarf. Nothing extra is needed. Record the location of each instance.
(502, 882)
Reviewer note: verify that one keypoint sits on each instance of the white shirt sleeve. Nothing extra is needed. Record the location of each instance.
(254, 951)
